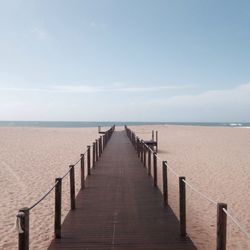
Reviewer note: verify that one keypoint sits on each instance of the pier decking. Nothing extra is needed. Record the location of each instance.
(120, 208)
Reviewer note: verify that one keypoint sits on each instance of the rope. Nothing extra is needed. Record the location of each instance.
(158, 157)
(148, 147)
(78, 161)
(177, 175)
(56, 184)
(242, 229)
(66, 174)
(201, 194)
(43, 197)
(171, 170)
(20, 214)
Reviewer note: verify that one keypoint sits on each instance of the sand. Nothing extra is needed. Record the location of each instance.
(215, 160)
(31, 159)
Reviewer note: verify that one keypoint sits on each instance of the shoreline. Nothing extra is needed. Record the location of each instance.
(89, 124)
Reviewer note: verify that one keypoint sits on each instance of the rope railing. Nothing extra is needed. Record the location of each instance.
(43, 197)
(66, 173)
(142, 149)
(22, 217)
(242, 229)
(200, 193)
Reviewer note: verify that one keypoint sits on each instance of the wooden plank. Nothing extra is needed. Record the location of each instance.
(119, 209)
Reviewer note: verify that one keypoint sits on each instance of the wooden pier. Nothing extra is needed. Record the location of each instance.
(120, 208)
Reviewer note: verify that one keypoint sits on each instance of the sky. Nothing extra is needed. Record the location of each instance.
(125, 60)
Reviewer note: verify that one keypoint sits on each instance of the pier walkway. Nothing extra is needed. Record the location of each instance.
(120, 208)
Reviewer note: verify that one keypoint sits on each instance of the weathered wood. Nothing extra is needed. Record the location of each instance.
(88, 161)
(96, 150)
(141, 150)
(23, 238)
(120, 209)
(82, 171)
(155, 169)
(221, 227)
(58, 208)
(72, 187)
(100, 147)
(102, 144)
(138, 146)
(144, 154)
(149, 161)
(182, 200)
(93, 155)
(156, 135)
(165, 182)
(105, 140)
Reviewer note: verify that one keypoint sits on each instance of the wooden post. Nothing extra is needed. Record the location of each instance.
(149, 161)
(221, 227)
(88, 160)
(165, 182)
(104, 140)
(72, 187)
(155, 169)
(23, 238)
(96, 150)
(142, 151)
(93, 155)
(102, 143)
(100, 146)
(141, 146)
(182, 197)
(82, 172)
(156, 135)
(138, 146)
(153, 135)
(58, 208)
(144, 154)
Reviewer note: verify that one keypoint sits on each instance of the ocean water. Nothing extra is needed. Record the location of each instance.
(78, 124)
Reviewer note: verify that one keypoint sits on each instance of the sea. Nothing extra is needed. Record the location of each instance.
(85, 124)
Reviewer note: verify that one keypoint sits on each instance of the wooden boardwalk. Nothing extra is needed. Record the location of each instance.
(120, 208)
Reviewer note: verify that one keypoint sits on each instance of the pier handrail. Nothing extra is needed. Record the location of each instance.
(221, 207)
(235, 220)
(22, 217)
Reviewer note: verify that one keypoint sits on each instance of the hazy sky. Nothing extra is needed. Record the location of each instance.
(139, 60)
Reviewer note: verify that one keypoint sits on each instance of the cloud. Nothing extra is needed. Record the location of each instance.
(14, 89)
(214, 105)
(235, 95)
(224, 105)
(40, 34)
(117, 87)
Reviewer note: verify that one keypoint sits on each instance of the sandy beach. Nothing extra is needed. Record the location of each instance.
(31, 159)
(214, 159)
